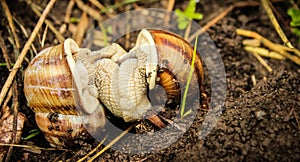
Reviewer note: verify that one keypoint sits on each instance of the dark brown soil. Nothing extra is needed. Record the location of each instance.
(258, 123)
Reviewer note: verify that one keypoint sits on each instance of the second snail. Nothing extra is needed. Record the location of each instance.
(67, 86)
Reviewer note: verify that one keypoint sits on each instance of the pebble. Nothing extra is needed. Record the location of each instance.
(266, 142)
(260, 114)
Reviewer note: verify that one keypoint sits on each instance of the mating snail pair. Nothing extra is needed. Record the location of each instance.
(64, 77)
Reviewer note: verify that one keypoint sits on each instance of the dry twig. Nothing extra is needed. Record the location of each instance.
(251, 42)
(90, 11)
(26, 36)
(11, 23)
(8, 97)
(169, 9)
(21, 57)
(275, 47)
(44, 36)
(220, 16)
(4, 52)
(111, 143)
(33, 147)
(63, 27)
(274, 21)
(262, 61)
(34, 8)
(81, 28)
(253, 79)
(102, 8)
(15, 120)
(297, 119)
(92, 151)
(264, 52)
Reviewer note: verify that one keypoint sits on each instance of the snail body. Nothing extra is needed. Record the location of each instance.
(158, 58)
(63, 78)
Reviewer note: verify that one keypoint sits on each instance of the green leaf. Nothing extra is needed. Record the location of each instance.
(197, 16)
(32, 134)
(191, 8)
(295, 15)
(129, 1)
(182, 25)
(182, 20)
(297, 31)
(184, 17)
(295, 23)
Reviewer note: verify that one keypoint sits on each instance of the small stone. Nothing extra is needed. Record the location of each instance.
(230, 130)
(260, 114)
(287, 118)
(235, 123)
(243, 139)
(266, 142)
(253, 143)
(238, 130)
(244, 152)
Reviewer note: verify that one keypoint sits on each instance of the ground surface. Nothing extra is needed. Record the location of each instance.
(258, 123)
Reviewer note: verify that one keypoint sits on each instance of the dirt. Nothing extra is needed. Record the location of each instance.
(258, 122)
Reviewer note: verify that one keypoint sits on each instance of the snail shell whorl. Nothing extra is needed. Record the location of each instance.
(175, 54)
(59, 129)
(54, 86)
(171, 85)
(48, 82)
(174, 61)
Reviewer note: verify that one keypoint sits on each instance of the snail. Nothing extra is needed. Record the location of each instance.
(54, 86)
(65, 77)
(158, 58)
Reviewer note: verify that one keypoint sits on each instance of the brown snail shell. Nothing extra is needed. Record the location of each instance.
(54, 93)
(48, 83)
(59, 129)
(174, 52)
(174, 61)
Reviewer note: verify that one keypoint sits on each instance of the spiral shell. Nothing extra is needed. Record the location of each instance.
(48, 83)
(174, 64)
(59, 129)
(54, 93)
(175, 54)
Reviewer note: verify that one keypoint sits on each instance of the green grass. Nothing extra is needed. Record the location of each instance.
(182, 111)
(5, 64)
(32, 134)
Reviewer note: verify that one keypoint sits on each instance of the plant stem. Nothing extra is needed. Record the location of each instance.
(274, 21)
